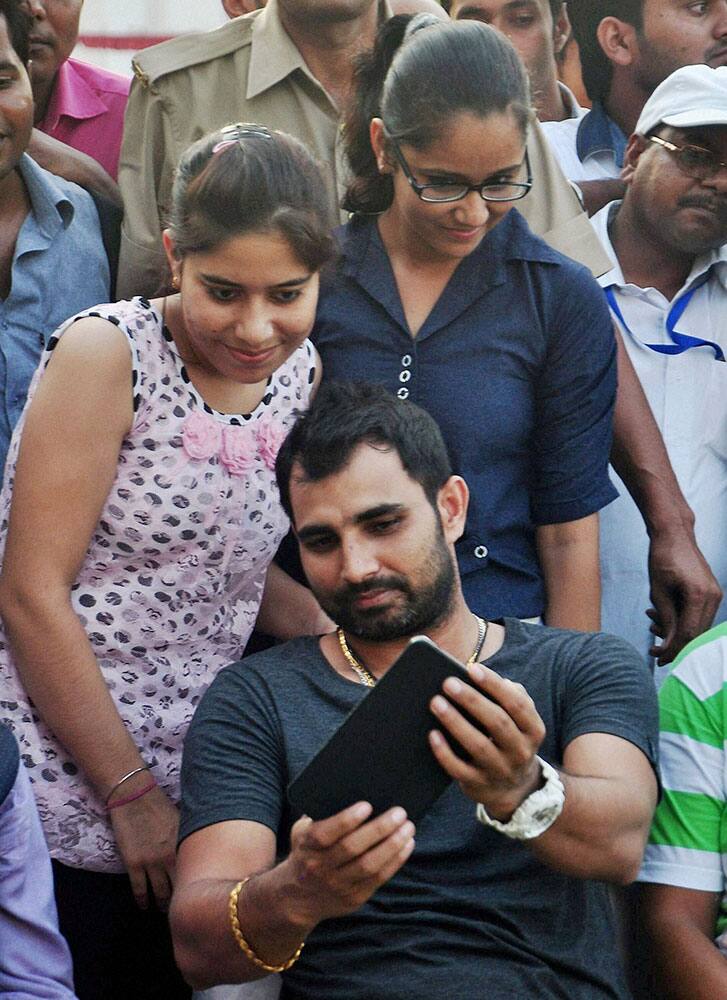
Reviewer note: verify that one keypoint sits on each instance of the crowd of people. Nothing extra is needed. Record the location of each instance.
(346, 322)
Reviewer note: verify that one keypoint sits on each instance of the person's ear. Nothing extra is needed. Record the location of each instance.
(234, 8)
(377, 137)
(175, 264)
(636, 145)
(619, 41)
(561, 31)
(452, 503)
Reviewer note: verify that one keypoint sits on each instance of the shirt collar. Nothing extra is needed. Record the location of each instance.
(597, 133)
(715, 261)
(366, 261)
(52, 208)
(570, 103)
(273, 55)
(511, 239)
(72, 97)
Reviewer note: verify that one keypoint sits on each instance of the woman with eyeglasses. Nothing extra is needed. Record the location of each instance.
(140, 514)
(444, 295)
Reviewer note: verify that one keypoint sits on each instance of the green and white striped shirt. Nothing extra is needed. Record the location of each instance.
(688, 840)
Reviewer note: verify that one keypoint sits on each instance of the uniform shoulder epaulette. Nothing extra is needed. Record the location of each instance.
(191, 50)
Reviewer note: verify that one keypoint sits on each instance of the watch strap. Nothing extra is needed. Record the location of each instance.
(536, 813)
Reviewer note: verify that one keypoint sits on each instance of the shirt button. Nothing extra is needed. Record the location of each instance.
(406, 360)
(481, 552)
(402, 393)
(404, 376)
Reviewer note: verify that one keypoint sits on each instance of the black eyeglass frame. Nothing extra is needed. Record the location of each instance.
(523, 186)
(700, 175)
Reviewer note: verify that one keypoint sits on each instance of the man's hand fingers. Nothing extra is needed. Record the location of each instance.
(139, 886)
(368, 836)
(374, 865)
(473, 741)
(161, 885)
(694, 618)
(464, 773)
(511, 697)
(664, 622)
(322, 834)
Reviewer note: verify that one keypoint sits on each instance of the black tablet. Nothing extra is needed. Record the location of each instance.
(380, 753)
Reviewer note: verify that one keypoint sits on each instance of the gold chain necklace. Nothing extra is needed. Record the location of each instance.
(367, 678)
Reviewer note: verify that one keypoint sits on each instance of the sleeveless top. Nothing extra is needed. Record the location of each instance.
(172, 580)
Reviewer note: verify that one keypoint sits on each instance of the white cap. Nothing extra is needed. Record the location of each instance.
(691, 96)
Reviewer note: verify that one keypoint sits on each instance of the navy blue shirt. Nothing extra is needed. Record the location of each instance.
(517, 363)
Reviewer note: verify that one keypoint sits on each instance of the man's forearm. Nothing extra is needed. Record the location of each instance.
(601, 832)
(596, 194)
(683, 589)
(640, 457)
(687, 964)
(205, 947)
(73, 165)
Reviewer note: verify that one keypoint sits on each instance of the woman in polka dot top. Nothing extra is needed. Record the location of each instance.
(140, 512)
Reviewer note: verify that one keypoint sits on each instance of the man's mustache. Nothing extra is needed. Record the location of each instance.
(717, 206)
(367, 586)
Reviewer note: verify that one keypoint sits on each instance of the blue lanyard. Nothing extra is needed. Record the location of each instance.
(682, 342)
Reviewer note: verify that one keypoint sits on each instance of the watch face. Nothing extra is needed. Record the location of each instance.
(544, 814)
(537, 813)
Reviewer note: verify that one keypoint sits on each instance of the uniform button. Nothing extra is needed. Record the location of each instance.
(481, 552)
(402, 393)
(406, 360)
(404, 376)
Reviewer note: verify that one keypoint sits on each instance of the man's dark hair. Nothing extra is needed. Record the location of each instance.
(345, 415)
(19, 23)
(585, 16)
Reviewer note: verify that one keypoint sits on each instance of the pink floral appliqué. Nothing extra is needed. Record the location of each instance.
(201, 436)
(239, 450)
(270, 436)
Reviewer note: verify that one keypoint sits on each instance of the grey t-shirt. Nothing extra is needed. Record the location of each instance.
(472, 913)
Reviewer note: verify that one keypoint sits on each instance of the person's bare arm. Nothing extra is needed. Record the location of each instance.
(67, 452)
(333, 867)
(610, 788)
(288, 609)
(684, 591)
(676, 930)
(568, 555)
(596, 194)
(73, 165)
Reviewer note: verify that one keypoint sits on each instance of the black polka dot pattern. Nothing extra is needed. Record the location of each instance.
(173, 576)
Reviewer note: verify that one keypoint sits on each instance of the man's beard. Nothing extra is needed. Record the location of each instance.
(428, 601)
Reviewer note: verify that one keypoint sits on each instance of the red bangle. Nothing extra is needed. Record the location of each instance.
(133, 797)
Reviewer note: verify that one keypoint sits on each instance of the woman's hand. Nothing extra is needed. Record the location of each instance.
(146, 834)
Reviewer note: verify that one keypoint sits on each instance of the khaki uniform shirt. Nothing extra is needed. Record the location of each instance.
(250, 70)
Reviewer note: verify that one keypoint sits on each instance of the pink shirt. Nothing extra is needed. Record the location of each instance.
(86, 111)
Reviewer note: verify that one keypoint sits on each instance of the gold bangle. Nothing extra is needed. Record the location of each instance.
(249, 953)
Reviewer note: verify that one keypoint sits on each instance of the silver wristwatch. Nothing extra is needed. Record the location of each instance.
(537, 813)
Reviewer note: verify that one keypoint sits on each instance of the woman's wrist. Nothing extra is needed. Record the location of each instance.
(129, 784)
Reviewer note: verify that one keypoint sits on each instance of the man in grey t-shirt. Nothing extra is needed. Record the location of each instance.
(496, 887)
